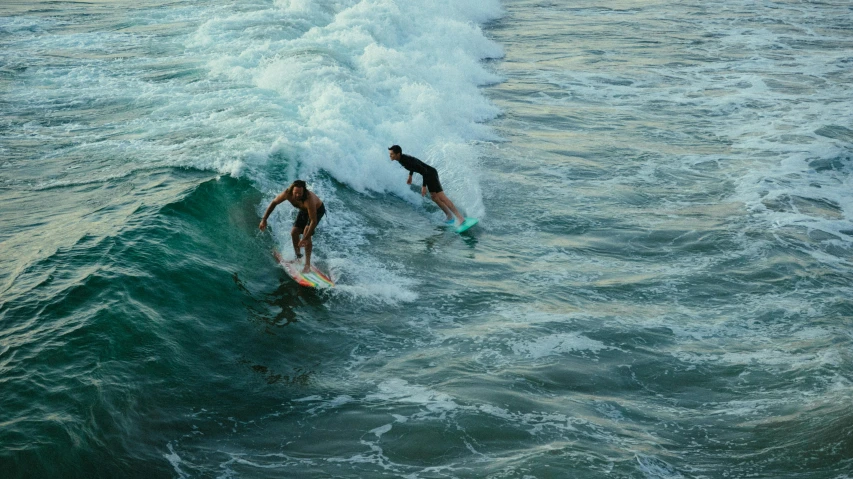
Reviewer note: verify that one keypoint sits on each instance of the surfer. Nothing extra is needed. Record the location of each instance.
(430, 181)
(311, 211)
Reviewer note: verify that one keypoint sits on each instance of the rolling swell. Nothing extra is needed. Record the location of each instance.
(124, 327)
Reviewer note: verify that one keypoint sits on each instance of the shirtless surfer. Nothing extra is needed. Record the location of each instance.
(311, 211)
(430, 181)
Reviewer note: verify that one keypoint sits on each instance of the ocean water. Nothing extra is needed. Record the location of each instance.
(661, 285)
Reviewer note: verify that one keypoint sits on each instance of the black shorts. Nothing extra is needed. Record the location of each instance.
(302, 218)
(431, 181)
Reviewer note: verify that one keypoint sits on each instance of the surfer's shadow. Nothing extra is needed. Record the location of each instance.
(470, 239)
(286, 298)
(294, 294)
(443, 238)
(436, 242)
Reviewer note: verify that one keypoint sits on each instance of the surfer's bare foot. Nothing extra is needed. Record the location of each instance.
(307, 268)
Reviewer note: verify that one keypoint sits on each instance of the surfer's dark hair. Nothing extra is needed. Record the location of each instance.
(396, 149)
(299, 184)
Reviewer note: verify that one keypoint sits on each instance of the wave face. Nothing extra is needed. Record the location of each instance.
(267, 91)
(336, 83)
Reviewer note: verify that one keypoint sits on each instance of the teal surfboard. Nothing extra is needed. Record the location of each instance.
(469, 222)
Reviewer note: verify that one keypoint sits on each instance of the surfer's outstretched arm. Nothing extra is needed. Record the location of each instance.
(275, 202)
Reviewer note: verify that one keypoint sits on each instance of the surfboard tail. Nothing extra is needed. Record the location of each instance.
(467, 224)
(312, 279)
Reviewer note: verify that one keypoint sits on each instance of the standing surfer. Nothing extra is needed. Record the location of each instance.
(311, 211)
(430, 181)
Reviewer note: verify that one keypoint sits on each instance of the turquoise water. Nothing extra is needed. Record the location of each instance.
(659, 287)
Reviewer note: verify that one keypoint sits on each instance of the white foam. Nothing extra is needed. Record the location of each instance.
(772, 85)
(364, 76)
(440, 406)
(400, 391)
(175, 461)
(323, 405)
(654, 468)
(776, 144)
(336, 83)
(379, 431)
(270, 93)
(339, 250)
(556, 344)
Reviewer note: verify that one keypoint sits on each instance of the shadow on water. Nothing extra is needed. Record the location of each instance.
(470, 238)
(284, 301)
(446, 237)
(299, 377)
